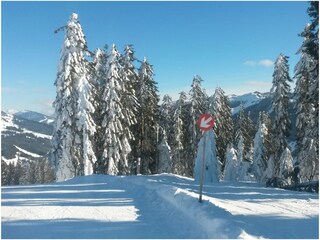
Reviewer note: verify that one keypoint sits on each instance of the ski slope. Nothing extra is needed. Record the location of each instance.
(159, 206)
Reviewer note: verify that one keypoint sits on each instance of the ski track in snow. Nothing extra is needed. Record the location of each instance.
(159, 206)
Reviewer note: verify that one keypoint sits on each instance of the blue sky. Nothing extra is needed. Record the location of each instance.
(229, 44)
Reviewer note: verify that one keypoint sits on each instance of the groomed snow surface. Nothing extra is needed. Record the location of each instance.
(159, 206)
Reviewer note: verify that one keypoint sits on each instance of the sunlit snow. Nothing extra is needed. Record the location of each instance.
(158, 206)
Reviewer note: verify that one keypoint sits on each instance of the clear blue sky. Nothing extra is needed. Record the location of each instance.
(229, 44)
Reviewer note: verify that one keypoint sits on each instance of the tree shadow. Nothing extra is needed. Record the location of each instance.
(86, 194)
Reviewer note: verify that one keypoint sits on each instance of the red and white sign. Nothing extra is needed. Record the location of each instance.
(205, 122)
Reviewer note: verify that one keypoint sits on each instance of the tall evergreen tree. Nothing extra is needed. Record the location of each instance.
(307, 124)
(72, 150)
(166, 119)
(261, 152)
(4, 173)
(99, 76)
(165, 157)
(231, 168)
(280, 91)
(116, 119)
(286, 167)
(244, 129)
(223, 127)
(313, 44)
(148, 118)
(180, 136)
(244, 143)
(198, 106)
(129, 101)
(312, 48)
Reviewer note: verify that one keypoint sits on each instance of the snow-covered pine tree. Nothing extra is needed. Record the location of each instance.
(244, 143)
(116, 119)
(286, 167)
(261, 153)
(198, 106)
(72, 150)
(220, 110)
(166, 119)
(148, 118)
(231, 168)
(305, 109)
(280, 99)
(18, 173)
(244, 165)
(99, 76)
(244, 127)
(130, 104)
(307, 90)
(312, 49)
(4, 173)
(269, 173)
(179, 143)
(212, 165)
(165, 158)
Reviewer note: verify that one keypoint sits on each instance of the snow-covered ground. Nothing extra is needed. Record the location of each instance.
(159, 206)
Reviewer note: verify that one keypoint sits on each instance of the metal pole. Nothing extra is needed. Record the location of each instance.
(202, 168)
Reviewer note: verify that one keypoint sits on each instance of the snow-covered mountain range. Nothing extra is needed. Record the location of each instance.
(247, 100)
(35, 116)
(25, 135)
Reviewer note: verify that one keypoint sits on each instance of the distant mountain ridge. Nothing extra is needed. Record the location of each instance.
(34, 116)
(25, 139)
(246, 100)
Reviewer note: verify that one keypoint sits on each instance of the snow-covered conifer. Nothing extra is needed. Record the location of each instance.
(307, 140)
(99, 76)
(198, 106)
(212, 165)
(148, 118)
(220, 110)
(230, 172)
(286, 166)
(244, 165)
(269, 173)
(179, 136)
(244, 128)
(116, 119)
(280, 91)
(130, 103)
(72, 150)
(312, 49)
(165, 159)
(260, 152)
(166, 117)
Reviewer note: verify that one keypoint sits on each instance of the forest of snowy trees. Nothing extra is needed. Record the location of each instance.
(109, 118)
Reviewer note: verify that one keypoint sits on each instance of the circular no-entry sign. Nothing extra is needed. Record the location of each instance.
(205, 122)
